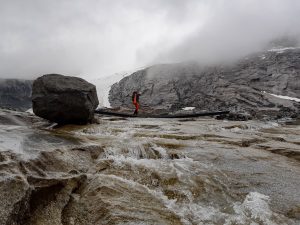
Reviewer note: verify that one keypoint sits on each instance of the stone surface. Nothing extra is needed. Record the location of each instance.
(146, 171)
(64, 99)
(235, 116)
(243, 87)
(15, 94)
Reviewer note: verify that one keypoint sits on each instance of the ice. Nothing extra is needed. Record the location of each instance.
(104, 84)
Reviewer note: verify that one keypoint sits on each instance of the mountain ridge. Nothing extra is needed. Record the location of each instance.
(246, 86)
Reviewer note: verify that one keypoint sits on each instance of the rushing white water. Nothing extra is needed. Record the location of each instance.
(172, 171)
(18, 137)
(205, 151)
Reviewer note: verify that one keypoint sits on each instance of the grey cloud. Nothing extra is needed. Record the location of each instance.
(96, 38)
(236, 28)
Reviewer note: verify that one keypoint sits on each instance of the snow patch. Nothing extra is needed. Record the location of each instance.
(30, 111)
(284, 97)
(263, 57)
(104, 84)
(281, 50)
(188, 108)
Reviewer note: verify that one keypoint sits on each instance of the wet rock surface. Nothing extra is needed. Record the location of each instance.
(244, 87)
(149, 171)
(64, 99)
(235, 116)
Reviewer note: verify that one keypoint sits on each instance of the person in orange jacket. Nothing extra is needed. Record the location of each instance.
(135, 101)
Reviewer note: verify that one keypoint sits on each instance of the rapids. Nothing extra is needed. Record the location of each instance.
(151, 171)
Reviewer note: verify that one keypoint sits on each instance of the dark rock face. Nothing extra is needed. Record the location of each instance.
(64, 99)
(245, 87)
(234, 117)
(15, 94)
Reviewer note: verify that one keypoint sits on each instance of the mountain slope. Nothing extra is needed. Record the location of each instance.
(15, 94)
(246, 86)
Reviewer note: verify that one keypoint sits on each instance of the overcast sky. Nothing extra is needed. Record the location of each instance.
(96, 38)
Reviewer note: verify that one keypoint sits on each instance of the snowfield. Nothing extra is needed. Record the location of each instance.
(284, 97)
(103, 86)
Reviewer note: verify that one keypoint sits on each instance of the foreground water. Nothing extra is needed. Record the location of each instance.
(152, 171)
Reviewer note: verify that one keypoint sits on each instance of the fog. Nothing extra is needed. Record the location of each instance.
(236, 28)
(96, 38)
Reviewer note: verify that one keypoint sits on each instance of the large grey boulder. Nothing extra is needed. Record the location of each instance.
(64, 99)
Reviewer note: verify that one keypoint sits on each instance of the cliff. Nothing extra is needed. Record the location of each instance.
(251, 85)
(15, 94)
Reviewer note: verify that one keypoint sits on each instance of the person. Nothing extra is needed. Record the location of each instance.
(135, 101)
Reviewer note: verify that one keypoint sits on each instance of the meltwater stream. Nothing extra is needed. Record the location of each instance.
(18, 136)
(162, 171)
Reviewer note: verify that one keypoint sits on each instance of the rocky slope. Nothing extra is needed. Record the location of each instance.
(15, 94)
(246, 86)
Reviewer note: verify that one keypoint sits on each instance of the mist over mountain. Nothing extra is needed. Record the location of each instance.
(256, 85)
(96, 38)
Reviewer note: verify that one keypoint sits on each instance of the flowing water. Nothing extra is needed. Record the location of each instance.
(18, 136)
(169, 171)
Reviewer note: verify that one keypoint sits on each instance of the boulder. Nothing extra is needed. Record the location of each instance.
(64, 99)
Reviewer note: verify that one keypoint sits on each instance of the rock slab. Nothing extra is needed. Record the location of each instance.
(64, 99)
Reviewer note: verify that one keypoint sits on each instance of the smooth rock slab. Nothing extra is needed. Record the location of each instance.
(64, 99)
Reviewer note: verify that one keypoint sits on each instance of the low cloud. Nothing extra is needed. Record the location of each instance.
(237, 28)
(96, 38)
